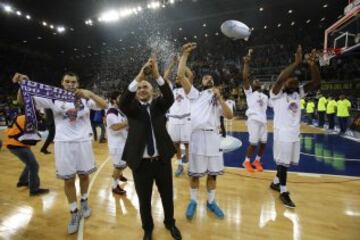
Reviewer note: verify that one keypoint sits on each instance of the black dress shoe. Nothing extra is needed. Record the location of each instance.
(147, 236)
(39, 191)
(175, 233)
(22, 184)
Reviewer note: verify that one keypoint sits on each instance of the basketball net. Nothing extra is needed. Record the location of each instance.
(327, 54)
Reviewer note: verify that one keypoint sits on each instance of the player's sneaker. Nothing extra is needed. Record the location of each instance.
(179, 171)
(85, 209)
(248, 167)
(215, 209)
(191, 208)
(258, 166)
(285, 198)
(74, 222)
(275, 187)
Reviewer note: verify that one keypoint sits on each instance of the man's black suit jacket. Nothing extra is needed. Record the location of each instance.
(136, 139)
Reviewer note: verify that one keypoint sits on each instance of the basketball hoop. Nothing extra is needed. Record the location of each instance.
(327, 55)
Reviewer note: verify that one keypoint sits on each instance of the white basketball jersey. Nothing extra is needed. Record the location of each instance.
(257, 103)
(205, 110)
(179, 113)
(287, 115)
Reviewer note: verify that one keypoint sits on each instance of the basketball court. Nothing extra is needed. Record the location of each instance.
(325, 186)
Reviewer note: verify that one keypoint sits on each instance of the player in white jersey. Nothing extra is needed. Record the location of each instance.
(72, 142)
(285, 96)
(206, 157)
(116, 130)
(179, 119)
(257, 103)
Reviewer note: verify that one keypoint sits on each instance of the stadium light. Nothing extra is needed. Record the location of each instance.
(60, 29)
(154, 5)
(109, 16)
(279, 25)
(308, 21)
(261, 9)
(28, 17)
(51, 26)
(89, 22)
(172, 1)
(325, 5)
(322, 19)
(44, 24)
(265, 27)
(18, 13)
(292, 23)
(8, 9)
(290, 11)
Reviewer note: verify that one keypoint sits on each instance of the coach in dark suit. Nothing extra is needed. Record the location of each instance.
(149, 148)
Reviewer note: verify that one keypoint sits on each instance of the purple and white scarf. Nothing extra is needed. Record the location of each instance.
(31, 89)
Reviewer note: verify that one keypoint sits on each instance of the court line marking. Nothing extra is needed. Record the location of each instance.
(80, 233)
(297, 173)
(334, 158)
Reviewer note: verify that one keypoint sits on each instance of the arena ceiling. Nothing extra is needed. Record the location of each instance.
(179, 21)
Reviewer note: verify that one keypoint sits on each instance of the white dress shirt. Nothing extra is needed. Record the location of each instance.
(132, 88)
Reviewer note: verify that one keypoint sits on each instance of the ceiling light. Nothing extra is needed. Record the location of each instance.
(44, 24)
(109, 16)
(279, 25)
(261, 9)
(180, 29)
(39, 38)
(204, 25)
(206, 35)
(290, 11)
(185, 38)
(216, 34)
(322, 19)
(8, 9)
(172, 1)
(28, 17)
(292, 23)
(18, 13)
(60, 29)
(51, 26)
(24, 41)
(325, 5)
(195, 37)
(265, 27)
(308, 21)
(252, 29)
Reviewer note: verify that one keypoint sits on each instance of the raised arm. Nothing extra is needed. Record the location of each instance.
(228, 113)
(185, 52)
(245, 73)
(18, 77)
(287, 72)
(167, 98)
(315, 82)
(83, 93)
(170, 68)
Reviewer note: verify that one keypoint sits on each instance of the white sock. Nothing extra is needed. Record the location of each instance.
(115, 183)
(193, 194)
(258, 158)
(247, 159)
(276, 180)
(84, 196)
(211, 196)
(179, 162)
(73, 207)
(282, 189)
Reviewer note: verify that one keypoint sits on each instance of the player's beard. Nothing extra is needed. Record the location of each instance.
(208, 86)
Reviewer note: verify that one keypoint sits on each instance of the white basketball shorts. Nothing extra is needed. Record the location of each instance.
(257, 131)
(73, 158)
(180, 133)
(286, 153)
(116, 157)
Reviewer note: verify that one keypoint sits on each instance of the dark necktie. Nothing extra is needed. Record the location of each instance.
(149, 137)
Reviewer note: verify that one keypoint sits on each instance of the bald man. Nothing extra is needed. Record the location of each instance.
(149, 148)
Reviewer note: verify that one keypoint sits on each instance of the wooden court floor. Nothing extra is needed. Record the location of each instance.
(328, 207)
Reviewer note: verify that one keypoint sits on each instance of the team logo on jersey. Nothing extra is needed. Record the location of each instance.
(71, 114)
(293, 106)
(260, 101)
(179, 97)
(214, 101)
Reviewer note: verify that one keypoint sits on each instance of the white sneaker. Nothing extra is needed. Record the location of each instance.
(85, 209)
(74, 222)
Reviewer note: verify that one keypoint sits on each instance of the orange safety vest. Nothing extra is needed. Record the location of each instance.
(15, 130)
